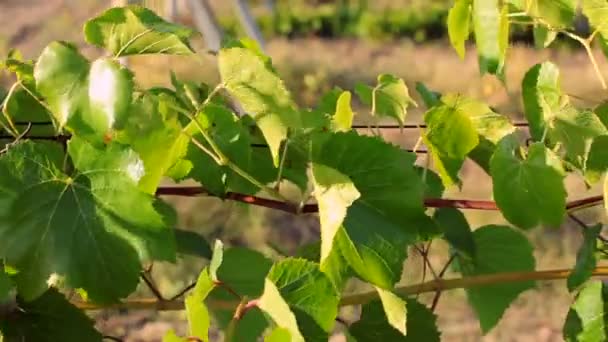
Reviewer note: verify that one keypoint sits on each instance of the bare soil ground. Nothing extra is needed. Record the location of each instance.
(311, 66)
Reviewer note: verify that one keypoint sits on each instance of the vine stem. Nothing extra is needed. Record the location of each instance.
(191, 191)
(359, 298)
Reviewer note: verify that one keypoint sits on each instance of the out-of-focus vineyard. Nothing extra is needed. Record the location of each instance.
(315, 46)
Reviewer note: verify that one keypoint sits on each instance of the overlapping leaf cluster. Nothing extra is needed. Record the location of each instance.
(79, 211)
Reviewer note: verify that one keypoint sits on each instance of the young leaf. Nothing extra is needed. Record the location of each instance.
(253, 82)
(216, 259)
(373, 325)
(487, 27)
(542, 96)
(585, 258)
(528, 191)
(278, 335)
(342, 120)
(117, 224)
(498, 249)
(556, 13)
(170, 336)
(575, 130)
(90, 99)
(49, 318)
(395, 310)
(389, 98)
(459, 20)
(278, 310)
(334, 192)
(136, 30)
(450, 136)
(597, 13)
(586, 320)
(198, 315)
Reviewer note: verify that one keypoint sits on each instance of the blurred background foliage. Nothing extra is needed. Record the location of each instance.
(317, 45)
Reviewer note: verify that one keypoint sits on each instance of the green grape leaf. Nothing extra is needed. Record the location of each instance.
(431, 98)
(244, 270)
(188, 242)
(334, 266)
(395, 310)
(376, 255)
(278, 335)
(342, 121)
(585, 258)
(528, 191)
(459, 21)
(390, 97)
(6, 286)
(334, 193)
(253, 82)
(543, 37)
(498, 249)
(216, 259)
(432, 182)
(390, 200)
(117, 225)
(421, 324)
(542, 97)
(575, 130)
(22, 102)
(306, 289)
(556, 13)
(278, 310)
(136, 30)
(198, 315)
(488, 25)
(91, 99)
(488, 124)
(597, 161)
(171, 336)
(234, 140)
(456, 230)
(154, 131)
(597, 13)
(586, 319)
(300, 298)
(51, 317)
(246, 281)
(450, 136)
(328, 102)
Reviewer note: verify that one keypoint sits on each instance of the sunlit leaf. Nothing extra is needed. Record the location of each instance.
(91, 99)
(136, 30)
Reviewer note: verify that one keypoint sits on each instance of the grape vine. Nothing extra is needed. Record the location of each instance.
(86, 149)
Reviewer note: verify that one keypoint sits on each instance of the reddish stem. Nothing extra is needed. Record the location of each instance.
(313, 208)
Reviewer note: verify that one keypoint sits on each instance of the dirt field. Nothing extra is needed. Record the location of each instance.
(310, 67)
